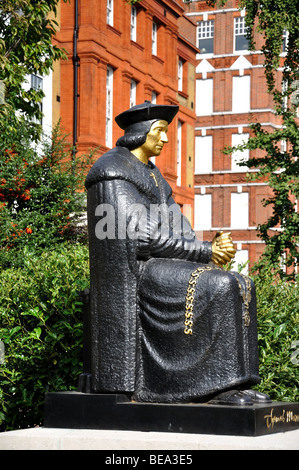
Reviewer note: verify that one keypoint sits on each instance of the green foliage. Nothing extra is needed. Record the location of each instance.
(26, 31)
(271, 18)
(280, 169)
(41, 328)
(278, 336)
(42, 267)
(278, 332)
(132, 2)
(41, 190)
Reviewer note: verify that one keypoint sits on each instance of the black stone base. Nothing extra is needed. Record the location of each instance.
(75, 410)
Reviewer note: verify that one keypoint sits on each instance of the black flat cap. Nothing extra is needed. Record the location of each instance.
(146, 111)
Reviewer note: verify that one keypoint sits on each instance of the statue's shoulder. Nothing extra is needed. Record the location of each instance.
(120, 164)
(114, 164)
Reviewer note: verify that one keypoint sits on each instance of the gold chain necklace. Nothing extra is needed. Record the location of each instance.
(155, 179)
(190, 298)
(246, 298)
(191, 291)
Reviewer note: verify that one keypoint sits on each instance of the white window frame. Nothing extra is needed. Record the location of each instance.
(205, 30)
(283, 146)
(109, 106)
(239, 30)
(204, 90)
(203, 154)
(241, 257)
(239, 211)
(36, 82)
(241, 99)
(110, 12)
(285, 41)
(133, 31)
(284, 89)
(202, 212)
(238, 156)
(42, 82)
(133, 88)
(47, 102)
(154, 38)
(154, 101)
(180, 74)
(179, 154)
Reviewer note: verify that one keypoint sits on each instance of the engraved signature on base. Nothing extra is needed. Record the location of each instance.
(285, 417)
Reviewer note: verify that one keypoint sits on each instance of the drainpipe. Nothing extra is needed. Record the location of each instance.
(76, 63)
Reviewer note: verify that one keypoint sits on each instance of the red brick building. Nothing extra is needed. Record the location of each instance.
(121, 55)
(172, 52)
(231, 93)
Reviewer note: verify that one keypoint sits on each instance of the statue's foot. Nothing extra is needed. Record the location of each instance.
(240, 398)
(257, 397)
(233, 398)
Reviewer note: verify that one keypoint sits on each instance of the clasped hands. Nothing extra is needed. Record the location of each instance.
(223, 250)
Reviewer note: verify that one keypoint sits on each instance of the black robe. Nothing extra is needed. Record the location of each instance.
(158, 331)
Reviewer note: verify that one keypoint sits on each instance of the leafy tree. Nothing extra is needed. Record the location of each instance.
(26, 31)
(41, 190)
(278, 165)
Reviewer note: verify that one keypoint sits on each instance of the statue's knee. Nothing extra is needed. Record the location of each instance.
(224, 281)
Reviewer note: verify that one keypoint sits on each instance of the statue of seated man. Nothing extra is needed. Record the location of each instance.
(167, 323)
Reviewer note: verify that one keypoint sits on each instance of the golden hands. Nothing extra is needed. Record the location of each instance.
(223, 250)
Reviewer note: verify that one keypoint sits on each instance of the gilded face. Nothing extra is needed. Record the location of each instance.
(155, 140)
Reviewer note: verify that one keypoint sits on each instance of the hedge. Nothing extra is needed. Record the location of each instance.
(41, 329)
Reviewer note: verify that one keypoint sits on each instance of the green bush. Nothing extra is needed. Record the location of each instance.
(41, 190)
(278, 336)
(41, 328)
(42, 269)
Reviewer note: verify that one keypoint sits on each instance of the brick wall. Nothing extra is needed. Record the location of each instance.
(228, 68)
(101, 45)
